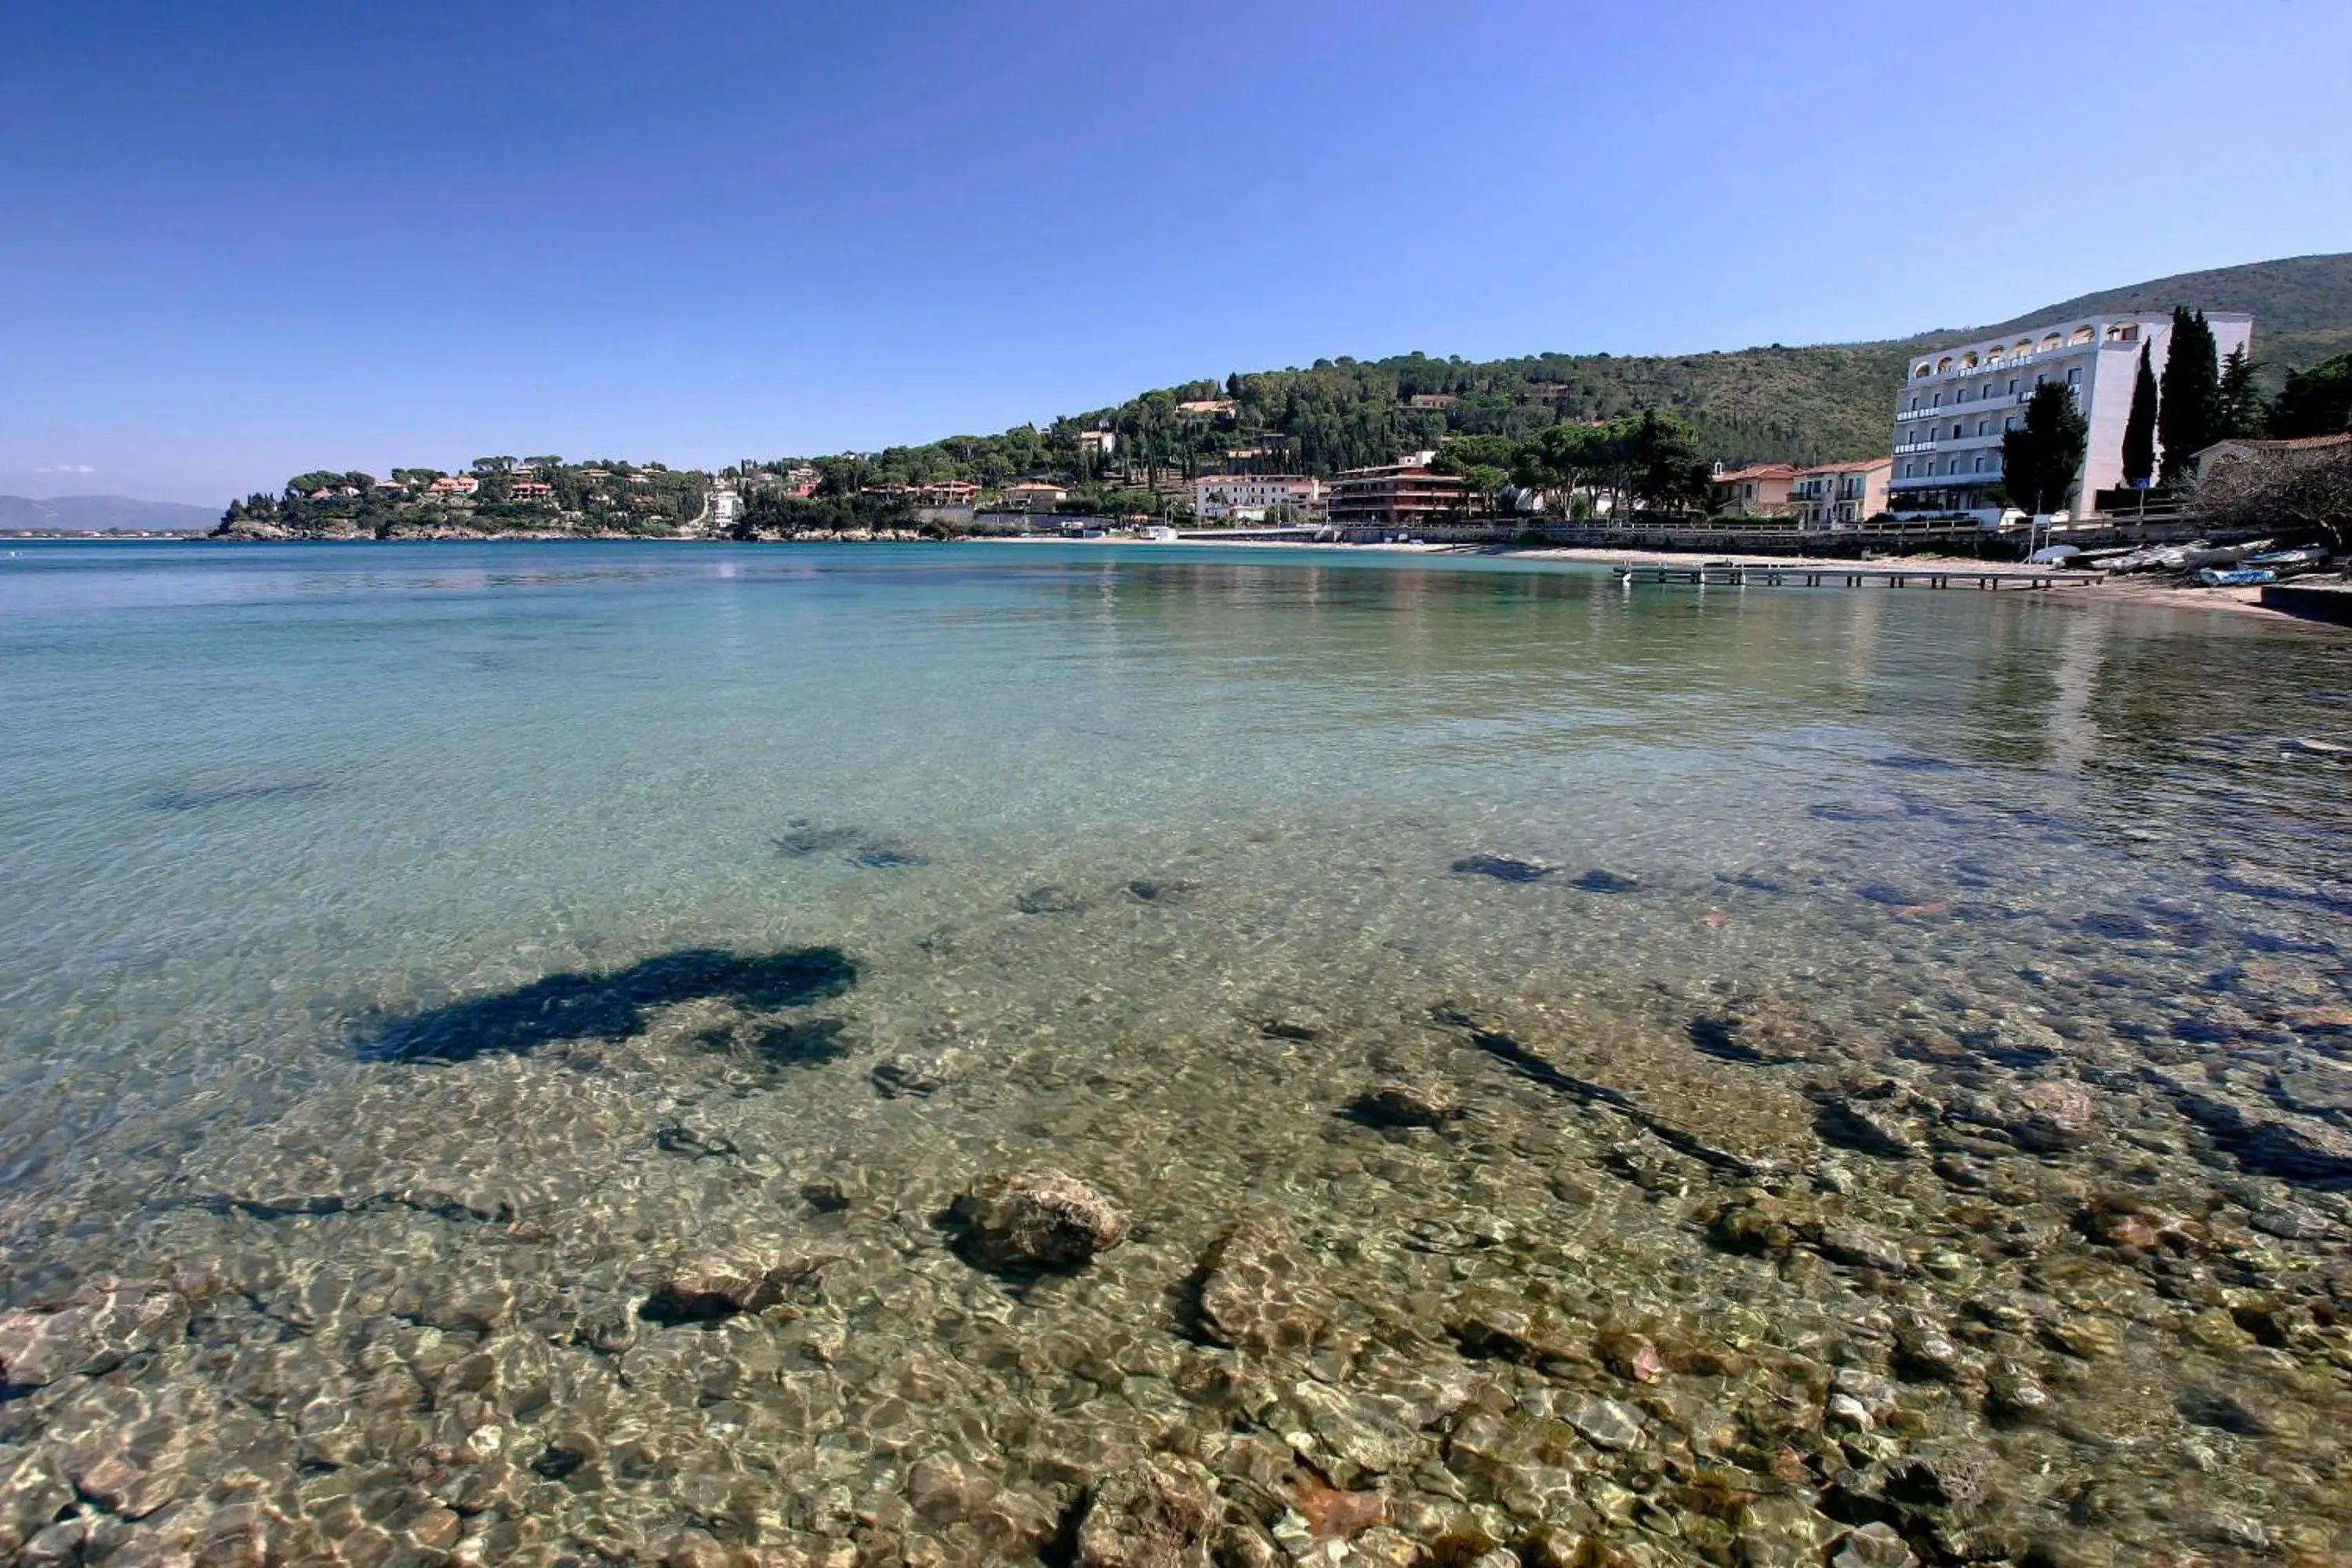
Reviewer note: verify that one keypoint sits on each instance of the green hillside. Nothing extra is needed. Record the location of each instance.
(1813, 403)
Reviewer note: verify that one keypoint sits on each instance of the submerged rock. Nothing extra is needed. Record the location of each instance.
(1769, 1027)
(919, 1072)
(1859, 1246)
(97, 1330)
(1867, 1127)
(1050, 899)
(1602, 882)
(710, 1290)
(1155, 1514)
(1256, 1290)
(1041, 1216)
(1503, 868)
(1399, 1102)
(2051, 1116)
(1875, 1545)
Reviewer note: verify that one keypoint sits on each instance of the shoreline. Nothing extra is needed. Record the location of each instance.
(2244, 601)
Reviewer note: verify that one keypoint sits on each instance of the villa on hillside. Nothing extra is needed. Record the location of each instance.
(1034, 495)
(1956, 402)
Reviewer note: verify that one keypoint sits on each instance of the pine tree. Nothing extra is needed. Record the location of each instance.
(2239, 410)
(2188, 410)
(2139, 428)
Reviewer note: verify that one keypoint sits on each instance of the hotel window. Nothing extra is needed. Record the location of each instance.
(2013, 423)
(1936, 400)
(1958, 431)
(2075, 377)
(1984, 463)
(2012, 386)
(1984, 426)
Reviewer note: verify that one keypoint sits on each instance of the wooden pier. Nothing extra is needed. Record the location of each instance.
(1797, 574)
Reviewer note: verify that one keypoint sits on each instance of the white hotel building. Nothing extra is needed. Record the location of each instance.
(1957, 402)
(1252, 497)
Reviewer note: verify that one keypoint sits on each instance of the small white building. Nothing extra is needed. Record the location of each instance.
(1956, 402)
(1252, 497)
(1103, 443)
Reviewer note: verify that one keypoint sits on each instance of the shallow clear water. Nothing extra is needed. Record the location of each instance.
(1705, 905)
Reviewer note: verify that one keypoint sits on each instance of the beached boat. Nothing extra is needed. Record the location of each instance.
(2193, 556)
(2282, 561)
(2235, 576)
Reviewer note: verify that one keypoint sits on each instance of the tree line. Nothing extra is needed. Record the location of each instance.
(1648, 461)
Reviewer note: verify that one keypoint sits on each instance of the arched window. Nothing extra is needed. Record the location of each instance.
(1944, 365)
(1923, 368)
(2124, 333)
(1992, 355)
(2082, 335)
(1969, 359)
(2023, 347)
(2049, 341)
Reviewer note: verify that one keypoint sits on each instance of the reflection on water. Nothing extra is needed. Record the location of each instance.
(1880, 1090)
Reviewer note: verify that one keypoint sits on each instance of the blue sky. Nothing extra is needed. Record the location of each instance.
(245, 238)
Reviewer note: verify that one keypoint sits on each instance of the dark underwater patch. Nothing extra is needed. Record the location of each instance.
(231, 794)
(1502, 867)
(606, 1006)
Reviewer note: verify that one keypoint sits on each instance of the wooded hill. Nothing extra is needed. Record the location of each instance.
(1813, 403)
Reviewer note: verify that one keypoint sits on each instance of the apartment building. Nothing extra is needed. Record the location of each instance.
(1957, 402)
(1839, 495)
(1400, 495)
(1252, 497)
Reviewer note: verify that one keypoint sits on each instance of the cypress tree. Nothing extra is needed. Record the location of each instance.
(2039, 462)
(2238, 406)
(2188, 412)
(2139, 429)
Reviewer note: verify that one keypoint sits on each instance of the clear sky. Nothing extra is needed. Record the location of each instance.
(245, 237)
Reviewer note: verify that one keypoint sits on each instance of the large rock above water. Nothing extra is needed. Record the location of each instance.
(1040, 1217)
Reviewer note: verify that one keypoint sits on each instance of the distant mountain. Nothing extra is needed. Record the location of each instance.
(103, 513)
(2302, 305)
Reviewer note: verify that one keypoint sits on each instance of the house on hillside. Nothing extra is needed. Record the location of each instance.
(449, 485)
(1206, 407)
(1102, 443)
(1759, 490)
(1034, 495)
(534, 490)
(1431, 400)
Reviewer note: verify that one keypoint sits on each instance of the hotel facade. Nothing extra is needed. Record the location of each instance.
(1958, 402)
(1252, 497)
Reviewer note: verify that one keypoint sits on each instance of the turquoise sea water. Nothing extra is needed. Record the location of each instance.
(352, 896)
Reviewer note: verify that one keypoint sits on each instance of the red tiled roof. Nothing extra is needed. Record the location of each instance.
(1859, 466)
(1761, 471)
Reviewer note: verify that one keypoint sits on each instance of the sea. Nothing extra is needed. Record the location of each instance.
(558, 1052)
